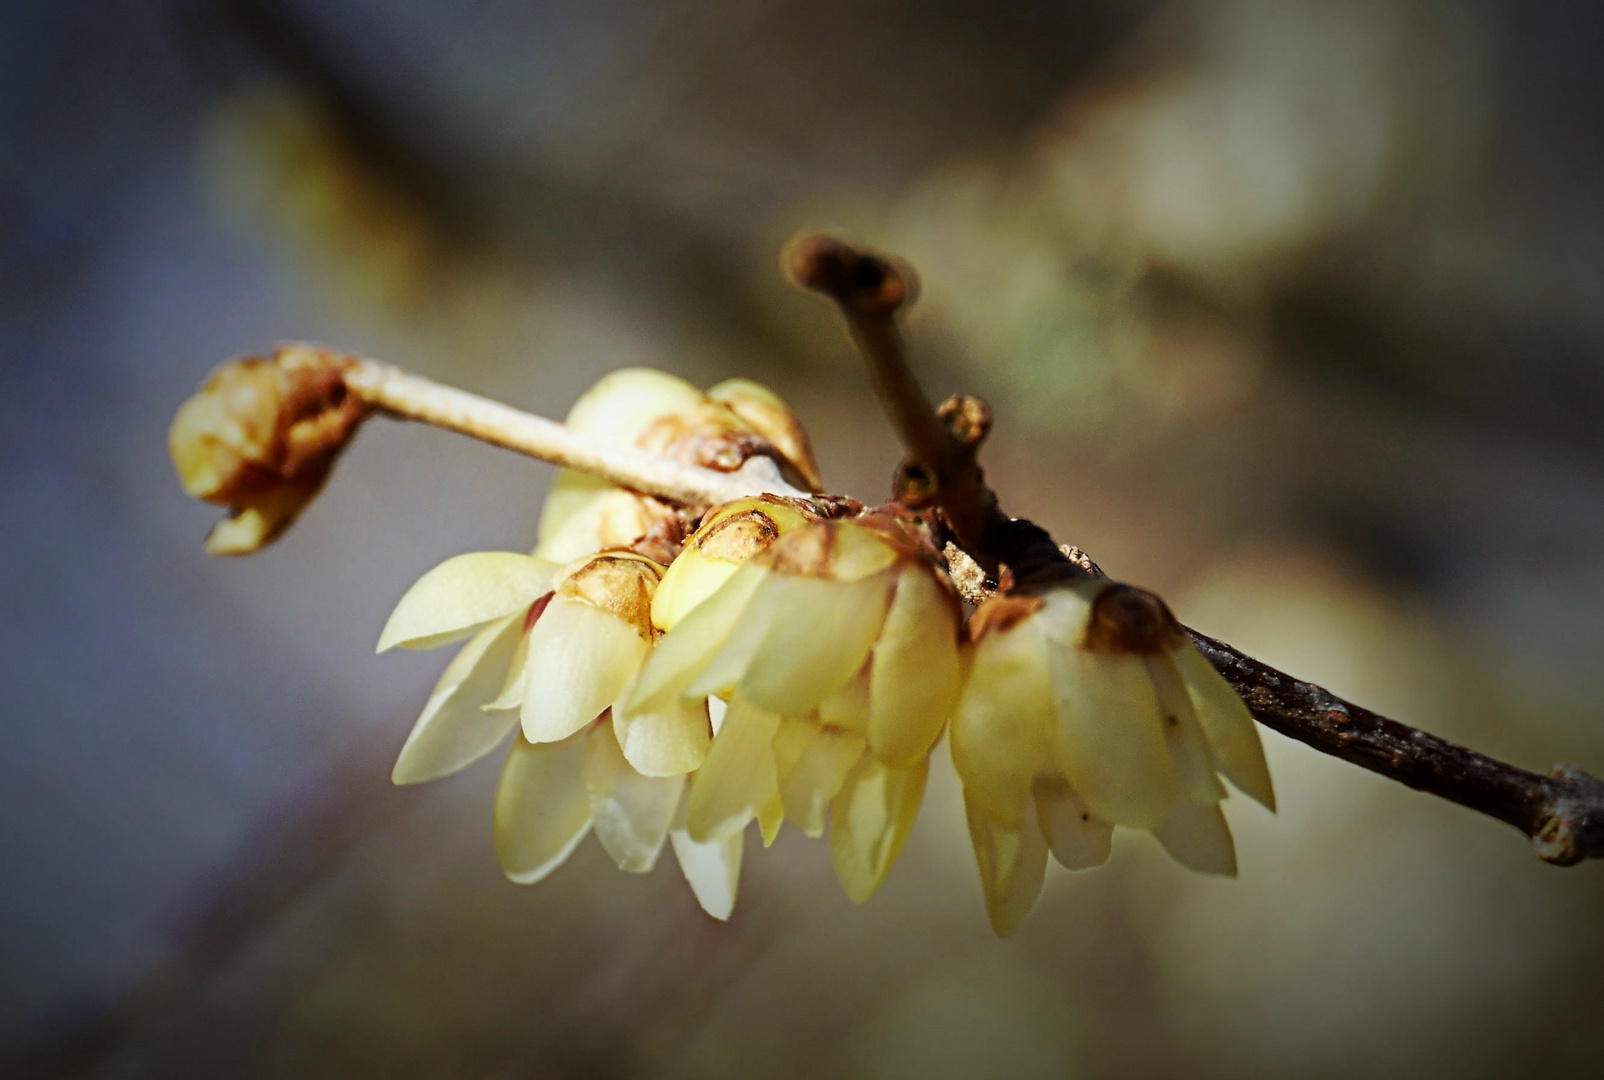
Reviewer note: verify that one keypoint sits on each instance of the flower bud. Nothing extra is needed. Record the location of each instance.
(260, 437)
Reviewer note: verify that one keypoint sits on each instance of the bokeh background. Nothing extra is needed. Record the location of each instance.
(1292, 310)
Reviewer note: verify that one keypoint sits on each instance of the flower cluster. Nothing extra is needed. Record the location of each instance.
(780, 665)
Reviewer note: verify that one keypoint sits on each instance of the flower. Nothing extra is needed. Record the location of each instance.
(837, 649)
(260, 437)
(1085, 708)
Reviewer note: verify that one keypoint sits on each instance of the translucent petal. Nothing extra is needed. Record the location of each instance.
(812, 773)
(683, 654)
(1078, 840)
(461, 595)
(570, 518)
(770, 816)
(1109, 738)
(1001, 725)
(666, 742)
(691, 579)
(847, 708)
(713, 869)
(818, 638)
(624, 403)
(914, 672)
(738, 776)
(1198, 838)
(716, 708)
(1229, 726)
(511, 695)
(1013, 863)
(581, 659)
(1194, 765)
(454, 731)
(869, 822)
(739, 641)
(632, 813)
(542, 809)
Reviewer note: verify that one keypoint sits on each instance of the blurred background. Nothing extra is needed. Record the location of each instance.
(1291, 310)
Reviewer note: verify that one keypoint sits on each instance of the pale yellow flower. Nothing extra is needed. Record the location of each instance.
(837, 649)
(1086, 708)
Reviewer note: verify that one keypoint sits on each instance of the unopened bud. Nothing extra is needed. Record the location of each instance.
(260, 438)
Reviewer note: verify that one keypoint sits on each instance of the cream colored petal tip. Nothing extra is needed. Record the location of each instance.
(542, 808)
(712, 869)
(454, 730)
(632, 813)
(1012, 860)
(914, 673)
(666, 742)
(870, 818)
(581, 659)
(1232, 735)
(1198, 838)
(462, 594)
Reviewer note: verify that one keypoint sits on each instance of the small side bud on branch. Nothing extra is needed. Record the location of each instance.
(260, 437)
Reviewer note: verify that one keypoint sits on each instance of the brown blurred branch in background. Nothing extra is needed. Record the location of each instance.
(1562, 813)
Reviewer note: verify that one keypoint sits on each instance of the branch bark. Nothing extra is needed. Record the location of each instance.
(1562, 813)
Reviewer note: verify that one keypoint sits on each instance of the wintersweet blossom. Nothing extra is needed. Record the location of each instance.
(837, 649)
(1085, 708)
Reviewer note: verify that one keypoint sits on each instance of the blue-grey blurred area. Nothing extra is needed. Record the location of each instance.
(1292, 310)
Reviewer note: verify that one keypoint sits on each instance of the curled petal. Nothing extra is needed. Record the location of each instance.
(542, 808)
(1229, 726)
(1198, 838)
(683, 655)
(462, 595)
(813, 763)
(869, 822)
(712, 869)
(454, 731)
(581, 659)
(1109, 738)
(1194, 765)
(914, 673)
(666, 742)
(1013, 863)
(632, 813)
(1078, 840)
(771, 418)
(738, 778)
(818, 637)
(1000, 728)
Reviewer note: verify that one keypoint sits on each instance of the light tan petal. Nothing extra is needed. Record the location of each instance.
(632, 813)
(1078, 840)
(812, 774)
(818, 638)
(1229, 726)
(771, 418)
(738, 777)
(1194, 765)
(454, 731)
(914, 673)
(581, 660)
(667, 742)
(683, 654)
(1002, 722)
(462, 595)
(869, 822)
(1109, 738)
(1013, 863)
(1199, 839)
(713, 869)
(848, 707)
(542, 809)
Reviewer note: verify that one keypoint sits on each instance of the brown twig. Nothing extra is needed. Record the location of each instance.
(1562, 813)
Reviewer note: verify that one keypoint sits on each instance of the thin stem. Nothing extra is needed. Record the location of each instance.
(403, 395)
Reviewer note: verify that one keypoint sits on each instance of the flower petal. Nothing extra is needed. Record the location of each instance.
(1194, 765)
(1078, 840)
(770, 816)
(848, 707)
(1013, 863)
(682, 655)
(461, 595)
(1109, 739)
(624, 403)
(813, 770)
(666, 742)
(454, 731)
(1224, 716)
(914, 674)
(1001, 726)
(713, 869)
(581, 660)
(738, 777)
(818, 638)
(1198, 838)
(632, 812)
(542, 809)
(869, 822)
(757, 594)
